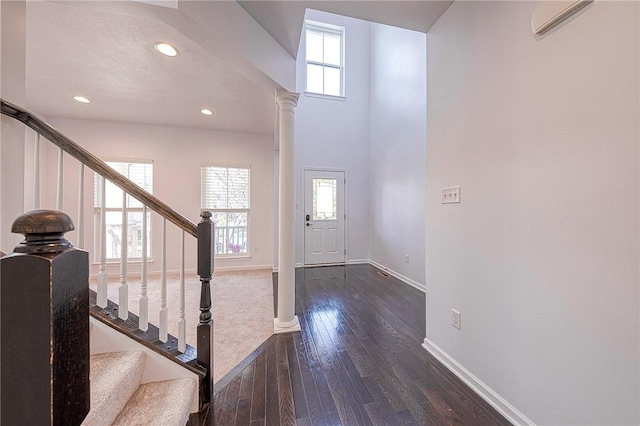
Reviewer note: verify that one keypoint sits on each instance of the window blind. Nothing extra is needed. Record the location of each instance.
(225, 188)
(139, 173)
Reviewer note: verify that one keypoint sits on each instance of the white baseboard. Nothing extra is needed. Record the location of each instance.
(296, 266)
(399, 276)
(135, 275)
(510, 412)
(240, 268)
(358, 261)
(189, 272)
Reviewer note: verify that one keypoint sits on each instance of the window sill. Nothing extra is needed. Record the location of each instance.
(327, 97)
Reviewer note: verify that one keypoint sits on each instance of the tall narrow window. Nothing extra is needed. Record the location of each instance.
(140, 173)
(226, 191)
(325, 58)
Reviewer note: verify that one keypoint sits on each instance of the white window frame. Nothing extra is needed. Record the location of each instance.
(247, 211)
(320, 27)
(98, 211)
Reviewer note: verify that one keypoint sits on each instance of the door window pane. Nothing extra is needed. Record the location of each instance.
(324, 199)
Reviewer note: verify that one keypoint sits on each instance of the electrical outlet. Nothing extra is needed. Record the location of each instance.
(456, 319)
(406, 258)
(451, 195)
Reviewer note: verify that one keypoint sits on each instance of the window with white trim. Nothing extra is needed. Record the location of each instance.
(226, 192)
(325, 58)
(141, 173)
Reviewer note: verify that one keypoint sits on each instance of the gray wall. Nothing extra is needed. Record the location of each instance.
(12, 147)
(397, 149)
(541, 257)
(378, 135)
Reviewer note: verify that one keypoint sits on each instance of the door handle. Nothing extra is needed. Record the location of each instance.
(308, 224)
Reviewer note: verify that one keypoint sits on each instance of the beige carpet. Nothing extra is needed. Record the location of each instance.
(242, 311)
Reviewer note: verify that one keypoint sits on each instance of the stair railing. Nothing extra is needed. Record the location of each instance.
(203, 232)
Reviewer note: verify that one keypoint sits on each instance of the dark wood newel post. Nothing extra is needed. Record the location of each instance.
(44, 325)
(205, 325)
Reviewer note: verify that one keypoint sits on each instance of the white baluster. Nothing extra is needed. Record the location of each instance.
(182, 324)
(60, 179)
(144, 300)
(123, 291)
(36, 173)
(163, 285)
(103, 278)
(80, 224)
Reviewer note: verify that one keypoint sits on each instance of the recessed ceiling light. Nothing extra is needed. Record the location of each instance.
(166, 49)
(81, 99)
(206, 111)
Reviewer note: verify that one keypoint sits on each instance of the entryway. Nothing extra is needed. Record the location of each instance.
(324, 214)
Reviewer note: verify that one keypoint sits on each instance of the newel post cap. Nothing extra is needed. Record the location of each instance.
(43, 230)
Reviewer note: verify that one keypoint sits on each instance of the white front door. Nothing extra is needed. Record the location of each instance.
(324, 217)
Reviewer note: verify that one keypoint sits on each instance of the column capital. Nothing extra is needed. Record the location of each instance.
(285, 98)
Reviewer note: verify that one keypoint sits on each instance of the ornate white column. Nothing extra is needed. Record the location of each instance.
(286, 320)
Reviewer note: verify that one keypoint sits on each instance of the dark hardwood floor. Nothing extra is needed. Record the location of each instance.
(358, 361)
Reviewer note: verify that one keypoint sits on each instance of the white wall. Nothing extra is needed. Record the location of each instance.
(541, 257)
(12, 89)
(335, 134)
(378, 135)
(397, 149)
(177, 154)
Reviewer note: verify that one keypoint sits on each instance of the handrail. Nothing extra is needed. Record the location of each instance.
(97, 165)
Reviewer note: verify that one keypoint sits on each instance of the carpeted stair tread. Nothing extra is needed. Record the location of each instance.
(114, 377)
(165, 403)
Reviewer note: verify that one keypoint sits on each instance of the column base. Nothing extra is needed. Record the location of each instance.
(287, 327)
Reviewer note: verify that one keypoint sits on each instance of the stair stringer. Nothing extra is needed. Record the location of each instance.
(157, 368)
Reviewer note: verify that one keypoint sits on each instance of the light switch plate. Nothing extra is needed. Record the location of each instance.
(451, 195)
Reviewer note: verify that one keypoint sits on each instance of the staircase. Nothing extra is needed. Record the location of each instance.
(133, 385)
(149, 377)
(119, 398)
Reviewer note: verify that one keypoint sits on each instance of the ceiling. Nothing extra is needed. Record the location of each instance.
(283, 19)
(110, 58)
